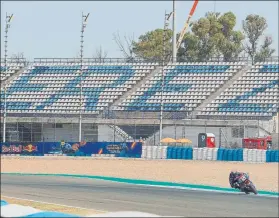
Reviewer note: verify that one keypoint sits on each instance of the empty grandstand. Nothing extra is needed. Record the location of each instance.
(12, 68)
(121, 101)
(255, 93)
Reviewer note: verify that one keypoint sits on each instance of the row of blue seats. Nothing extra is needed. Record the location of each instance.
(14, 103)
(16, 107)
(126, 73)
(155, 104)
(153, 109)
(246, 105)
(269, 70)
(258, 110)
(116, 71)
(230, 154)
(50, 72)
(144, 104)
(23, 108)
(104, 67)
(180, 153)
(29, 89)
(77, 67)
(74, 91)
(202, 67)
(272, 156)
(188, 71)
(4, 68)
(26, 85)
(270, 66)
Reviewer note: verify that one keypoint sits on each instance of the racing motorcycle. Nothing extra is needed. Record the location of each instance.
(246, 185)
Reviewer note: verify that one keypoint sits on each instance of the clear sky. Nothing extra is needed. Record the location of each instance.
(52, 28)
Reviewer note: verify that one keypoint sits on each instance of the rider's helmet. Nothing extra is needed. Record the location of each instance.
(232, 174)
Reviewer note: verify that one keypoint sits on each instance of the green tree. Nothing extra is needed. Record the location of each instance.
(254, 27)
(265, 51)
(189, 51)
(212, 36)
(205, 43)
(230, 40)
(150, 44)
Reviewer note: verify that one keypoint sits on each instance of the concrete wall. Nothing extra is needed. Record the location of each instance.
(69, 132)
(275, 141)
(106, 133)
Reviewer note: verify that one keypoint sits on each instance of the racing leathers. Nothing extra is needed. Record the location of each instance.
(234, 177)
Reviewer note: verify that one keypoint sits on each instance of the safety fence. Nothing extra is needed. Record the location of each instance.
(211, 154)
(16, 210)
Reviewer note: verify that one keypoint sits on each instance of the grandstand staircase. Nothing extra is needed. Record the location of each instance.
(121, 132)
(135, 87)
(124, 136)
(265, 131)
(193, 115)
(14, 76)
(219, 91)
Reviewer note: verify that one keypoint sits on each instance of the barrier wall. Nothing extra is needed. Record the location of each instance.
(138, 150)
(212, 154)
(117, 149)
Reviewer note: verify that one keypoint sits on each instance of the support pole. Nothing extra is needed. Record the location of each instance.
(83, 25)
(8, 25)
(163, 76)
(174, 50)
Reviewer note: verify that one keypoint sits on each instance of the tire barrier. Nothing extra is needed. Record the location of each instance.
(205, 153)
(254, 155)
(229, 154)
(185, 153)
(272, 156)
(223, 154)
(154, 152)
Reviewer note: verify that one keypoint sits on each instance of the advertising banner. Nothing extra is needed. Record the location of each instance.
(26, 148)
(119, 149)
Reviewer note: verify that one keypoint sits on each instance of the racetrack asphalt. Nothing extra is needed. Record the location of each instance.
(112, 196)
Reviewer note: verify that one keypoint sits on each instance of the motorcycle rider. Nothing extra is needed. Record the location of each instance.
(234, 177)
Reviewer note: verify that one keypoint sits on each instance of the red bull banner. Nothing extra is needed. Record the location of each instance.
(19, 148)
(15, 149)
